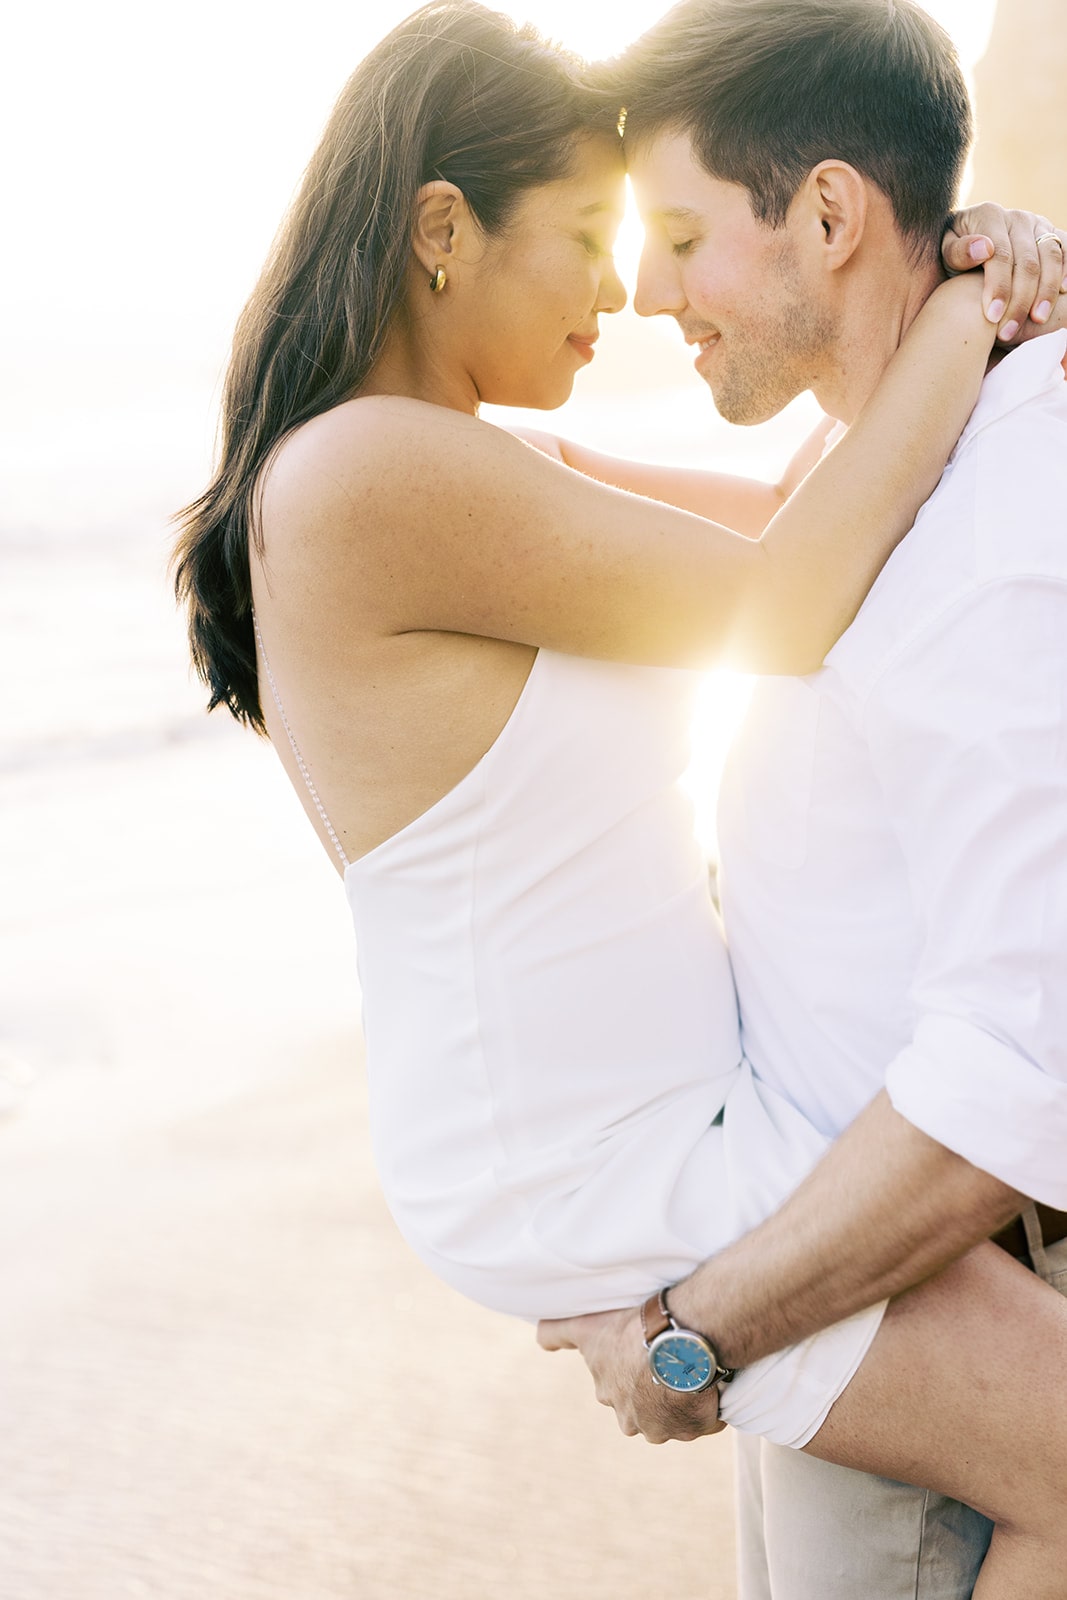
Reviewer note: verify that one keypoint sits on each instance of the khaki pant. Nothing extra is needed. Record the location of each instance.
(812, 1531)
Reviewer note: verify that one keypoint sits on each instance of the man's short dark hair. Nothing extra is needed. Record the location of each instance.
(766, 89)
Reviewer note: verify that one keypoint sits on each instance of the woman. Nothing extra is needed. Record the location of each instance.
(547, 1002)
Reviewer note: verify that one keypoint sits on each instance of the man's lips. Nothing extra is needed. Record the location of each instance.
(705, 343)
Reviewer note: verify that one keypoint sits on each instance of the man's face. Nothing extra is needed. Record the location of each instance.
(736, 287)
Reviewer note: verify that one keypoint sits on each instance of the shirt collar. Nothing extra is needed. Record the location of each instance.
(1032, 369)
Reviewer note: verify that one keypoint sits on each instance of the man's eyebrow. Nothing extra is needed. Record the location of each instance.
(676, 214)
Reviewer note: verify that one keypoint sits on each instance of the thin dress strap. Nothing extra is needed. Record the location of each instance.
(305, 774)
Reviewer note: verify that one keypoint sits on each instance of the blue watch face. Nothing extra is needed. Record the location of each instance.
(682, 1363)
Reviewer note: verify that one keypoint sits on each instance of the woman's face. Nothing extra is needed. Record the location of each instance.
(541, 287)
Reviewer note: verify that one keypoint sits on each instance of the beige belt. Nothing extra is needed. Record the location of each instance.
(1051, 1227)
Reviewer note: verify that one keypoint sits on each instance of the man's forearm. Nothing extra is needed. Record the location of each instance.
(885, 1208)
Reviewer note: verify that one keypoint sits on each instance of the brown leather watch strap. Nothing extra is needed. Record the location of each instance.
(655, 1318)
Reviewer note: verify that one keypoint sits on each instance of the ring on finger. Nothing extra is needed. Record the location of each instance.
(1053, 236)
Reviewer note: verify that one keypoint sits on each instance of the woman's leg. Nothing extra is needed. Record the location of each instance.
(965, 1391)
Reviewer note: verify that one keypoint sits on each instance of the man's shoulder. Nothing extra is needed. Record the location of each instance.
(1000, 510)
(998, 516)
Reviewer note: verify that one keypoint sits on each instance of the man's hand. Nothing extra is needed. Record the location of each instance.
(613, 1348)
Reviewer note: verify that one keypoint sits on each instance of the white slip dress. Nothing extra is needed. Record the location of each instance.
(561, 1115)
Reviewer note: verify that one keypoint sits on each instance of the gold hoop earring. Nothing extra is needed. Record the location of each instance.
(438, 281)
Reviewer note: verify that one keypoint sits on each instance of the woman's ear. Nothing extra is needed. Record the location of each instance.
(836, 197)
(440, 210)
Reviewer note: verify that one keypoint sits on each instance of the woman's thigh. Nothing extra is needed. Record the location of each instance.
(962, 1392)
(818, 1531)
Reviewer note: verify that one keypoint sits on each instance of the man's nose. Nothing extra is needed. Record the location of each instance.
(659, 290)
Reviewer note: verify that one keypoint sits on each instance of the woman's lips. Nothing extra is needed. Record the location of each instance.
(584, 347)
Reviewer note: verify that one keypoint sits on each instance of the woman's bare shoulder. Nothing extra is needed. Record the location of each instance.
(377, 488)
(377, 434)
(372, 462)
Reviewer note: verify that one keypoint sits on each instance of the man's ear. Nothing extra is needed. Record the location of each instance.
(836, 199)
(440, 213)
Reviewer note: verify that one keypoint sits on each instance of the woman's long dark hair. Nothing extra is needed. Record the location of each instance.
(455, 92)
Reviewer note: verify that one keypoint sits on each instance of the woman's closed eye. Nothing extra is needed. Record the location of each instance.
(595, 247)
(683, 247)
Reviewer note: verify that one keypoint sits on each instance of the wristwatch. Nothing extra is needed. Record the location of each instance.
(678, 1358)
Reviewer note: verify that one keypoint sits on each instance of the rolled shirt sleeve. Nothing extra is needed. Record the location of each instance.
(967, 728)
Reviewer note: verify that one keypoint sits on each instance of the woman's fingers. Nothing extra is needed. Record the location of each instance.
(1011, 272)
(1052, 252)
(961, 252)
(1023, 277)
(1037, 274)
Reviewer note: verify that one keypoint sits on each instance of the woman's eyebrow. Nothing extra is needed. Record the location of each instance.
(601, 208)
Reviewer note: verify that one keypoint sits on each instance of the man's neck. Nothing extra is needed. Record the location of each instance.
(878, 313)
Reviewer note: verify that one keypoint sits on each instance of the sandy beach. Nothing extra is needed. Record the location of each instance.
(222, 1373)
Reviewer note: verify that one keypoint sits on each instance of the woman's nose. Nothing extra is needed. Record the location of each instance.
(613, 294)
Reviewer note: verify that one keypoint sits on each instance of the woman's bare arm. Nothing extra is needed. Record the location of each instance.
(744, 504)
(428, 520)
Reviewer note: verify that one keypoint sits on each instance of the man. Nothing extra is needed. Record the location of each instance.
(894, 828)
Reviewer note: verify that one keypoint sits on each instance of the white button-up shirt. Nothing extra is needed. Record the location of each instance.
(893, 829)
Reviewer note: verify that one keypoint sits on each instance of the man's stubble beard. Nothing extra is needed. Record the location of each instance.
(780, 358)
